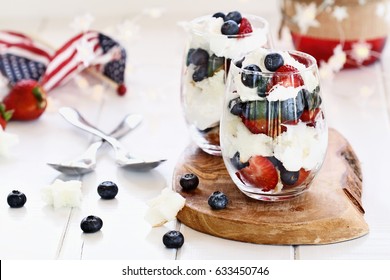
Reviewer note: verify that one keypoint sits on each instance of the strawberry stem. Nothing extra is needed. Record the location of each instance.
(41, 102)
(7, 115)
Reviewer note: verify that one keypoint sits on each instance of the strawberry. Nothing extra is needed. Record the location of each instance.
(310, 116)
(301, 59)
(254, 115)
(245, 26)
(5, 116)
(260, 173)
(27, 99)
(256, 126)
(286, 76)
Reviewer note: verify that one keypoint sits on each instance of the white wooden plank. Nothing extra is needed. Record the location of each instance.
(200, 246)
(356, 106)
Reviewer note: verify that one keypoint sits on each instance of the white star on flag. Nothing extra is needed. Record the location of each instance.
(305, 16)
(85, 52)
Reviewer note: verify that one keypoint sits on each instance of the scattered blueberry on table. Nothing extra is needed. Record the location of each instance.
(189, 181)
(218, 200)
(173, 239)
(91, 224)
(107, 190)
(16, 199)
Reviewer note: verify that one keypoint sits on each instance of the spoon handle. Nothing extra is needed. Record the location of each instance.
(74, 117)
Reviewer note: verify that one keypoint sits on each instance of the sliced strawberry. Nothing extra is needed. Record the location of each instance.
(310, 116)
(261, 173)
(286, 76)
(256, 126)
(301, 59)
(245, 26)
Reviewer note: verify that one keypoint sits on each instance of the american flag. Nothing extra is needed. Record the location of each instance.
(82, 51)
(22, 58)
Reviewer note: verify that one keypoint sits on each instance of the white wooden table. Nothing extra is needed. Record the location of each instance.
(38, 231)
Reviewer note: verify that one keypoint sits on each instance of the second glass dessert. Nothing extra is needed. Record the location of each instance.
(214, 40)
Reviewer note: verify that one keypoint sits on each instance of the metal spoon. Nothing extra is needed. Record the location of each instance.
(86, 162)
(123, 157)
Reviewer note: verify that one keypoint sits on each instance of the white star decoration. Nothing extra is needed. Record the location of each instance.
(7, 140)
(340, 13)
(82, 23)
(126, 31)
(383, 10)
(361, 51)
(334, 64)
(153, 12)
(305, 16)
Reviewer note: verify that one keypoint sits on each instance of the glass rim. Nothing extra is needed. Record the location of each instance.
(312, 63)
(237, 36)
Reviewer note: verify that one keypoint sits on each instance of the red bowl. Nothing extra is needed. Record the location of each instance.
(322, 49)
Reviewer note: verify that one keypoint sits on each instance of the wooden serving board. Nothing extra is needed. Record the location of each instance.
(330, 211)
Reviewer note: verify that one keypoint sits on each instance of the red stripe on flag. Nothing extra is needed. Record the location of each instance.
(66, 75)
(28, 48)
(51, 74)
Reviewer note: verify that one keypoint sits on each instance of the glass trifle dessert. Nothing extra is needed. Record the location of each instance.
(274, 134)
(214, 40)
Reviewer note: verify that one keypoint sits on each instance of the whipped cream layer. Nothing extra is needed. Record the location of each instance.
(203, 100)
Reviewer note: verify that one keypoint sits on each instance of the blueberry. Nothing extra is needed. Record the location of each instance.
(255, 110)
(218, 200)
(236, 106)
(189, 181)
(189, 54)
(16, 199)
(91, 224)
(237, 163)
(251, 78)
(198, 57)
(173, 239)
(292, 108)
(262, 86)
(200, 73)
(288, 177)
(215, 64)
(273, 61)
(229, 27)
(239, 62)
(234, 16)
(107, 190)
(277, 163)
(219, 15)
(312, 100)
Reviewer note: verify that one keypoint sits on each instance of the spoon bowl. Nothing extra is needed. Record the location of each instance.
(86, 162)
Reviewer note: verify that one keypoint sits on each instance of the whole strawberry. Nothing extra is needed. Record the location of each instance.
(5, 115)
(27, 99)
